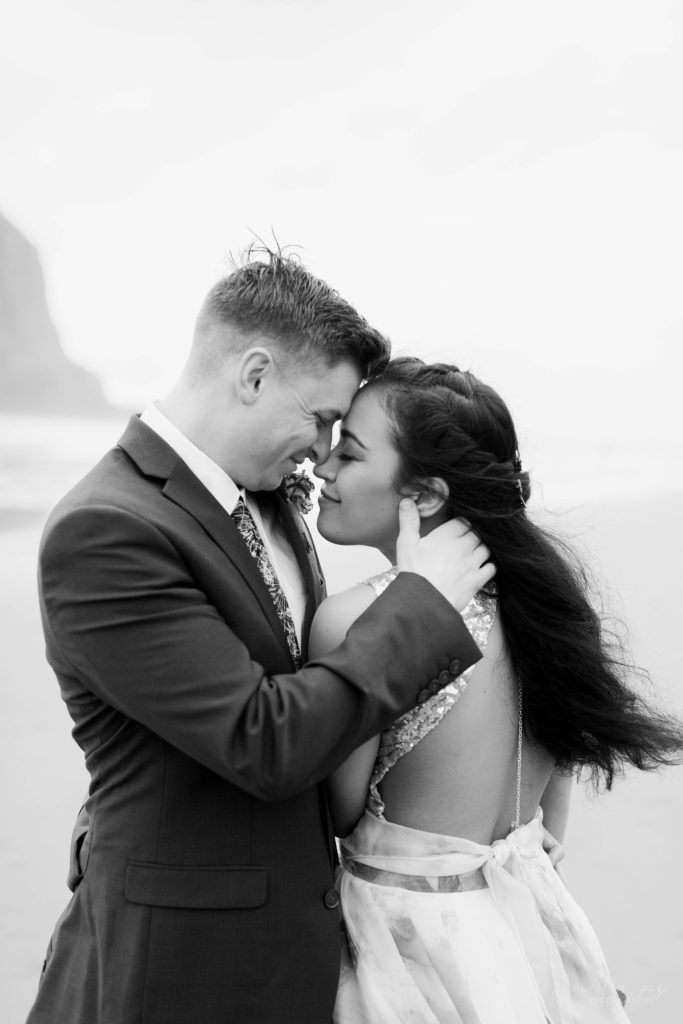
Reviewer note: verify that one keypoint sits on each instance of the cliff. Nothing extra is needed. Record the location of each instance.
(35, 373)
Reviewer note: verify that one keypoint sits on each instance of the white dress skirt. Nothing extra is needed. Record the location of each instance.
(442, 930)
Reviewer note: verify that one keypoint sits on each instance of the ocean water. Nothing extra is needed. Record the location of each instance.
(41, 457)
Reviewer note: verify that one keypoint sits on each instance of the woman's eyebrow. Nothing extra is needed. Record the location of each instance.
(347, 433)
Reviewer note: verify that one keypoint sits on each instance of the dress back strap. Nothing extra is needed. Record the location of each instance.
(381, 581)
(520, 739)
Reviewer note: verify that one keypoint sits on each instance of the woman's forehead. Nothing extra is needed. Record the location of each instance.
(365, 408)
(367, 418)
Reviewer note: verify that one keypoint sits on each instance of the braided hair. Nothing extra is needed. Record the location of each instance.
(578, 700)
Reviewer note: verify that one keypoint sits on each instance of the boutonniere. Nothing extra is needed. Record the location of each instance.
(298, 488)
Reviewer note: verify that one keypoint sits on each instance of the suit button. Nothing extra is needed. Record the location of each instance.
(422, 696)
(331, 899)
(454, 667)
(445, 677)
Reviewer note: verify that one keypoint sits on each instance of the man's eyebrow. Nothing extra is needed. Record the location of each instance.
(347, 433)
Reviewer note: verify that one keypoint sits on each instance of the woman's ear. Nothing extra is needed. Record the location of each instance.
(252, 369)
(431, 497)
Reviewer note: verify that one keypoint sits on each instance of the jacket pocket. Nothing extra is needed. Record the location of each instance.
(196, 888)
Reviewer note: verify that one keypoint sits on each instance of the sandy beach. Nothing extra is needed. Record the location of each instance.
(620, 847)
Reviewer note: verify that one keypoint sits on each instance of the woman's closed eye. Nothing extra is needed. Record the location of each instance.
(344, 452)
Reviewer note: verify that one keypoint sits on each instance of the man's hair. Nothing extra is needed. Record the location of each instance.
(306, 319)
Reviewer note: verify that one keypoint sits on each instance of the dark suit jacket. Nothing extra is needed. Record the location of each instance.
(207, 896)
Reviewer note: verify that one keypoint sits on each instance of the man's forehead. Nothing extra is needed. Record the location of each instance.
(334, 390)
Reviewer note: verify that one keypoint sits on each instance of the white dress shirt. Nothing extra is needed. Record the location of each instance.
(227, 494)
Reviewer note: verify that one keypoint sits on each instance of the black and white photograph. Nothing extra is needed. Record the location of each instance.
(341, 491)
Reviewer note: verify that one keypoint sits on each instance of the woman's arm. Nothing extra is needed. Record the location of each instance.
(555, 803)
(347, 787)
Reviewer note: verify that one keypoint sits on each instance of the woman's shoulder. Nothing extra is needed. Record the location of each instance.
(336, 615)
(381, 580)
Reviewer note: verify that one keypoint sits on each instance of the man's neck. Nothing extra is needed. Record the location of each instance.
(190, 414)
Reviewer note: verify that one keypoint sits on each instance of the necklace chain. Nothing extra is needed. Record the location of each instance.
(520, 736)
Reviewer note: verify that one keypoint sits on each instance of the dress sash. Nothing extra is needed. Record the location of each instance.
(563, 956)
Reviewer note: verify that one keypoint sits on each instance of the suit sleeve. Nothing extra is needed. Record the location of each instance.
(123, 614)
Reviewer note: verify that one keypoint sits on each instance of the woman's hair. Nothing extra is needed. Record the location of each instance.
(577, 703)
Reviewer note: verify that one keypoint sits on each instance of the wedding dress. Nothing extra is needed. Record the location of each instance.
(442, 930)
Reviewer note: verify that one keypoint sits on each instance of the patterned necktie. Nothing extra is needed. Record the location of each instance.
(245, 524)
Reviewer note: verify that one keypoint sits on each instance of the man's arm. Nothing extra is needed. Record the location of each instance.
(78, 848)
(126, 617)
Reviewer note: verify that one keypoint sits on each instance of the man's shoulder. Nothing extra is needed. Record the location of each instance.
(114, 486)
(113, 479)
(129, 476)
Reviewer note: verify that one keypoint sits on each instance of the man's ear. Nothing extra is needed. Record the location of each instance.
(431, 497)
(253, 368)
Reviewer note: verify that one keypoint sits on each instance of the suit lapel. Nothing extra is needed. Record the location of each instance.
(299, 537)
(155, 458)
(297, 533)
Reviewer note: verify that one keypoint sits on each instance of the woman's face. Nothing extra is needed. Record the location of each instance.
(358, 503)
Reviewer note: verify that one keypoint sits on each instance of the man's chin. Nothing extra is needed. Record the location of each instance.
(262, 484)
(271, 481)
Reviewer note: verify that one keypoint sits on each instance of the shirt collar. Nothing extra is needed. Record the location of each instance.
(215, 479)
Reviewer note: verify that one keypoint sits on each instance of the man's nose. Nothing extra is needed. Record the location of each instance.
(320, 452)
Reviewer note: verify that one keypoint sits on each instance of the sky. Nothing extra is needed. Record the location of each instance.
(496, 184)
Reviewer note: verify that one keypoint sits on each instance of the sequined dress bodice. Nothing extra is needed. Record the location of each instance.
(407, 731)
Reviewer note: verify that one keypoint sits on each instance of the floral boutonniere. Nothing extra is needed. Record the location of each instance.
(298, 488)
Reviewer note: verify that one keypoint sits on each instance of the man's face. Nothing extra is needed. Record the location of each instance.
(295, 416)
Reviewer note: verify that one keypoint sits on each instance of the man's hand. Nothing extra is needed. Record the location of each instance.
(451, 557)
(554, 849)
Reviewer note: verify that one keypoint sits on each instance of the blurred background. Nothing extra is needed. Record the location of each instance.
(494, 184)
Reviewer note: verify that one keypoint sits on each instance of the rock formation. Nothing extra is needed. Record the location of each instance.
(35, 373)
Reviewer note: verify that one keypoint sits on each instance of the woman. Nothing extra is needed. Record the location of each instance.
(453, 910)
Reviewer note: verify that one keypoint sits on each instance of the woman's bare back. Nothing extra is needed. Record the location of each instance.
(461, 778)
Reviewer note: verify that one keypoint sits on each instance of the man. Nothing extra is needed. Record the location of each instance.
(177, 588)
